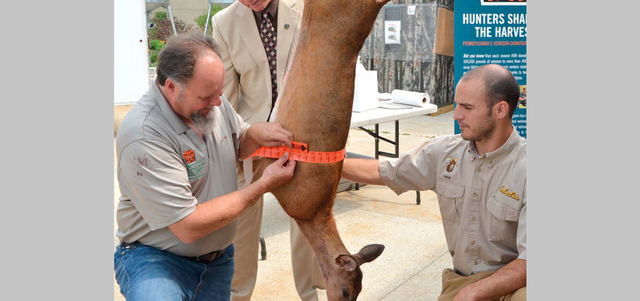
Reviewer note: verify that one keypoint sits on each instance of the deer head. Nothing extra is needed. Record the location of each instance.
(346, 281)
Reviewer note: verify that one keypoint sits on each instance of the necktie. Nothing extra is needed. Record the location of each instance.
(269, 41)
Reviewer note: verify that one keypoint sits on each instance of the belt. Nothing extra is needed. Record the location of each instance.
(206, 258)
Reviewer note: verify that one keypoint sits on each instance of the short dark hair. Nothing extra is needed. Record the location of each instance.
(177, 60)
(500, 85)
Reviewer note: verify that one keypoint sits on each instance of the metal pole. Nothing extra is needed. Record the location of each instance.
(208, 16)
(397, 139)
(377, 141)
(263, 247)
(175, 33)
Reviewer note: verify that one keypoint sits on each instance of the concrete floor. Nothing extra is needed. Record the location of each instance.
(415, 250)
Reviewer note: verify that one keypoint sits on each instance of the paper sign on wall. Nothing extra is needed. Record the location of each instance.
(392, 32)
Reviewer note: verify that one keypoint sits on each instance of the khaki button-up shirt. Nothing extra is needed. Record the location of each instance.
(483, 200)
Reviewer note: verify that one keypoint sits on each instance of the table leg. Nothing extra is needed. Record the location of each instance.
(396, 143)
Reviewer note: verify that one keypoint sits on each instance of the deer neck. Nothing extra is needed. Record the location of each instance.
(323, 236)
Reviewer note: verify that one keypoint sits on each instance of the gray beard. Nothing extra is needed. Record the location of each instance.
(204, 123)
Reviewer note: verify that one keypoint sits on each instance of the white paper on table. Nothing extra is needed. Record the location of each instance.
(366, 90)
(388, 104)
(384, 96)
(416, 99)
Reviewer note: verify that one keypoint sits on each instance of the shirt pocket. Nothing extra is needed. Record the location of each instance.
(197, 170)
(450, 198)
(503, 221)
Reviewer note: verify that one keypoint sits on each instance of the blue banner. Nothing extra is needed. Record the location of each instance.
(493, 32)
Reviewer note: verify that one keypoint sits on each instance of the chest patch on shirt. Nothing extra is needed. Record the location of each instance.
(511, 194)
(195, 170)
(451, 163)
(189, 156)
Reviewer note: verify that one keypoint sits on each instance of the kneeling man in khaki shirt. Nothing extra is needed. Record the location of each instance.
(480, 177)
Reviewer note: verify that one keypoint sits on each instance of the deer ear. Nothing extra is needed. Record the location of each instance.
(368, 253)
(346, 262)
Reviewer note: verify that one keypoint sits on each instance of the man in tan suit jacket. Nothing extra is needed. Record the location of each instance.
(248, 88)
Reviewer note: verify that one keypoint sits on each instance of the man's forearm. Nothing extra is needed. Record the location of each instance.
(217, 213)
(362, 171)
(248, 145)
(504, 281)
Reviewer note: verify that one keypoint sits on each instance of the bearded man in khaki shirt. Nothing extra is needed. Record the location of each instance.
(480, 178)
(177, 151)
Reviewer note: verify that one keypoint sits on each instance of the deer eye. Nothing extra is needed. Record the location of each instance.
(345, 294)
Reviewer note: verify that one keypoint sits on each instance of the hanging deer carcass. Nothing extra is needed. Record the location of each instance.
(315, 104)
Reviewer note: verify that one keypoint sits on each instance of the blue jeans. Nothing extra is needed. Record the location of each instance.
(146, 273)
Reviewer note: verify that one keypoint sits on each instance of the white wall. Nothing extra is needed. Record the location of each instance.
(131, 62)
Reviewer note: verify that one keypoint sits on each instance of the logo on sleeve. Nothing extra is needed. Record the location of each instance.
(451, 163)
(189, 156)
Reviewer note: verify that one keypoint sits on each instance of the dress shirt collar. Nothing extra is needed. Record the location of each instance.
(496, 155)
(272, 7)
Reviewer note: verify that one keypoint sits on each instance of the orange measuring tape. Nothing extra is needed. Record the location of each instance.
(299, 152)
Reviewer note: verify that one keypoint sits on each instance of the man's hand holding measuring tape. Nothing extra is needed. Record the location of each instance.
(271, 140)
(270, 134)
(264, 134)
